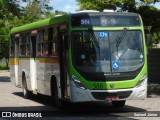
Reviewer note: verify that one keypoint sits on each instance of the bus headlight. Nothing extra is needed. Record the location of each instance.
(142, 80)
(78, 82)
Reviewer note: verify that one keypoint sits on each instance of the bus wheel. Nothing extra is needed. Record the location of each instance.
(26, 93)
(55, 100)
(118, 103)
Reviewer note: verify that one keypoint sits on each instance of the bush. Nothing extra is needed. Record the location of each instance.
(3, 66)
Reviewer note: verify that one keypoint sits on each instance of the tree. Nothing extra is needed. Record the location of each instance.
(12, 14)
(4, 43)
(149, 14)
(36, 9)
(151, 17)
(4, 30)
(13, 7)
(100, 5)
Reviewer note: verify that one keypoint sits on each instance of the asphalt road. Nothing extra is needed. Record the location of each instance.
(11, 100)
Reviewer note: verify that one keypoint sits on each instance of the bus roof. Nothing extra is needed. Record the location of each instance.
(107, 13)
(62, 18)
(39, 24)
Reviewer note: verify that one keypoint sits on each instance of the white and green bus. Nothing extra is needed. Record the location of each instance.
(80, 57)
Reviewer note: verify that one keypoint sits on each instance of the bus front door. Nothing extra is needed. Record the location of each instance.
(33, 71)
(16, 60)
(63, 60)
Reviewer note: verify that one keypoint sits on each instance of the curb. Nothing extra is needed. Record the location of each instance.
(2, 71)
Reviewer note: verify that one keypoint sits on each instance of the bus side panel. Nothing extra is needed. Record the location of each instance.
(12, 74)
(33, 73)
(40, 76)
(27, 66)
(52, 69)
(24, 67)
(14, 71)
(46, 67)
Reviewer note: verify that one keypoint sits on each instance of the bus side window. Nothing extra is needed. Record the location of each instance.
(45, 42)
(39, 42)
(23, 45)
(27, 45)
(33, 46)
(12, 47)
(50, 37)
(54, 40)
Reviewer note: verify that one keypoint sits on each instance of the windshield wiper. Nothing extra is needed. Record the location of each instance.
(95, 41)
(119, 39)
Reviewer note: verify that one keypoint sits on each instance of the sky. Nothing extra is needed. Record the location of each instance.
(157, 5)
(70, 5)
(64, 5)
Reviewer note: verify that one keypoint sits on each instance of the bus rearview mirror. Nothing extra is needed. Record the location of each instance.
(66, 42)
(149, 39)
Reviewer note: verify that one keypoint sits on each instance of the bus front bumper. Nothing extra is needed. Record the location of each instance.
(81, 95)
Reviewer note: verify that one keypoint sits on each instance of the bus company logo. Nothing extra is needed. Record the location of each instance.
(112, 85)
(20, 114)
(6, 114)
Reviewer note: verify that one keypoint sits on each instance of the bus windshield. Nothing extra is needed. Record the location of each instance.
(108, 57)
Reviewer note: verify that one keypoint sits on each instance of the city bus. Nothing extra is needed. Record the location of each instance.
(81, 57)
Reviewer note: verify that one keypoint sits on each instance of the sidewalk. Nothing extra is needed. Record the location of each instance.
(4, 73)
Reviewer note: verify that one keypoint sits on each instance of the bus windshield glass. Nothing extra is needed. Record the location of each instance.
(107, 56)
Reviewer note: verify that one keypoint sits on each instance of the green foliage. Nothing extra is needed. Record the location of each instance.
(128, 5)
(156, 38)
(100, 5)
(95, 4)
(36, 9)
(148, 1)
(12, 15)
(32, 11)
(150, 15)
(4, 42)
(3, 66)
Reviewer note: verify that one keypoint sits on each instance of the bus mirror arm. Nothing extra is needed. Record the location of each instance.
(149, 39)
(66, 42)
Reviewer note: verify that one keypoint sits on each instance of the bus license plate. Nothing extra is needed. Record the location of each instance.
(112, 98)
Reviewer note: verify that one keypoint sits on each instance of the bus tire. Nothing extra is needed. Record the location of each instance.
(118, 103)
(54, 93)
(26, 92)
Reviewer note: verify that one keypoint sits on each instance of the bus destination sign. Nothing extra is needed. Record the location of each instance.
(105, 20)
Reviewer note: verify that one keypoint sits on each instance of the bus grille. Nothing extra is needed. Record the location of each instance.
(103, 95)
